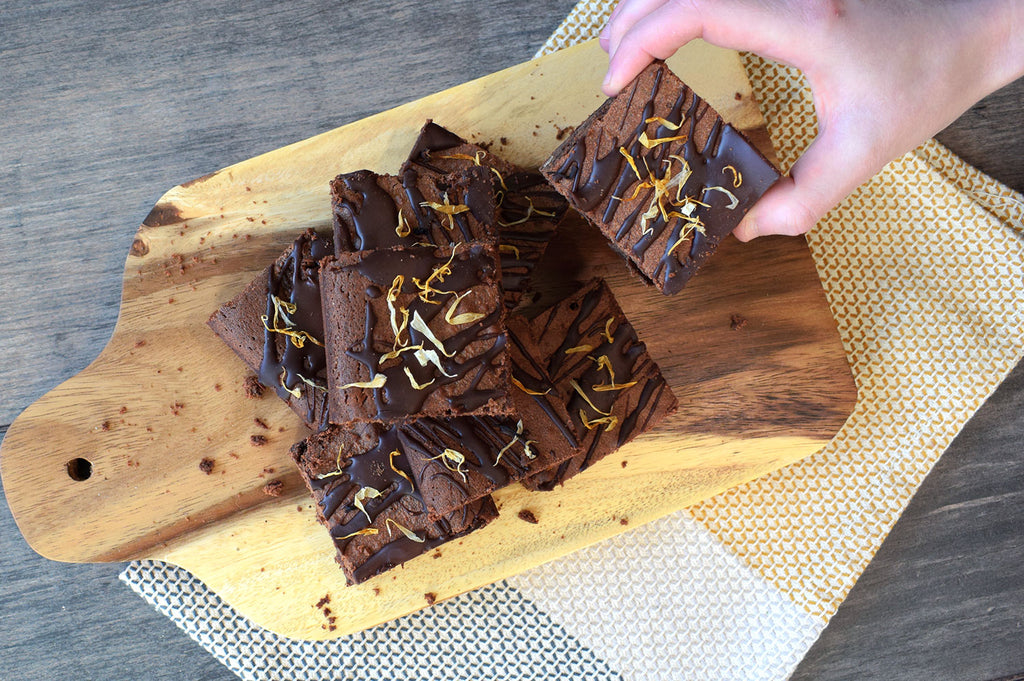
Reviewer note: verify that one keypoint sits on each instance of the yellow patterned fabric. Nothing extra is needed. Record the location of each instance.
(923, 267)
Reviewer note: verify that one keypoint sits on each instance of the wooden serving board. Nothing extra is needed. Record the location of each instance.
(106, 466)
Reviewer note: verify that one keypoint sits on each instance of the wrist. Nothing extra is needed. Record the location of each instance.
(1007, 49)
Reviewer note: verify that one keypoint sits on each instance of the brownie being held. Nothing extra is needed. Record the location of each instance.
(661, 175)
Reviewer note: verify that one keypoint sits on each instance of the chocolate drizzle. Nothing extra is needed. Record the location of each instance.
(471, 352)
(528, 209)
(286, 367)
(479, 439)
(710, 147)
(367, 206)
(385, 469)
(611, 388)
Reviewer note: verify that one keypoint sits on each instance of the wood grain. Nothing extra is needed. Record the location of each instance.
(165, 393)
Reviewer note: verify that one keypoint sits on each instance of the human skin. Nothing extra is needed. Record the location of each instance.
(886, 75)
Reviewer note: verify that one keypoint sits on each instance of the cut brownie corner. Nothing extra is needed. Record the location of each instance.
(529, 210)
(275, 327)
(662, 175)
(365, 496)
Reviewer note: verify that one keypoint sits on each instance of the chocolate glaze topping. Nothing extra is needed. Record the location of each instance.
(528, 209)
(285, 364)
(610, 348)
(366, 213)
(385, 469)
(612, 181)
(472, 266)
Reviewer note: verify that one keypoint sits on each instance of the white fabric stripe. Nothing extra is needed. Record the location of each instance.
(669, 601)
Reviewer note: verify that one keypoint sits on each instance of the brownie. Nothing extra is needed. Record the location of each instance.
(538, 402)
(612, 389)
(661, 174)
(365, 497)
(374, 211)
(459, 460)
(275, 326)
(529, 210)
(415, 332)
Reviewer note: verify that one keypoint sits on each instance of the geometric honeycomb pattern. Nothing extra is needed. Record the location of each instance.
(492, 633)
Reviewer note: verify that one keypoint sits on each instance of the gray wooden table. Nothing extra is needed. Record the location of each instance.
(105, 105)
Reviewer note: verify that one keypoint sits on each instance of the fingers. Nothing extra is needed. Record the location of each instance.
(832, 167)
(624, 17)
(644, 31)
(640, 31)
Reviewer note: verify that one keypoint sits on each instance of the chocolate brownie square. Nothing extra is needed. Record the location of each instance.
(612, 389)
(275, 326)
(415, 332)
(661, 175)
(529, 210)
(365, 497)
(459, 460)
(374, 211)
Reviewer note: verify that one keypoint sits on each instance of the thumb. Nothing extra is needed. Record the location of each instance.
(837, 162)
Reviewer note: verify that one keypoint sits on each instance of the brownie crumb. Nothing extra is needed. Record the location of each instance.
(206, 465)
(123, 410)
(257, 440)
(624, 463)
(436, 554)
(253, 387)
(177, 407)
(430, 597)
(562, 132)
(737, 322)
(528, 516)
(376, 591)
(624, 521)
(504, 141)
(323, 601)
(261, 423)
(274, 488)
(105, 426)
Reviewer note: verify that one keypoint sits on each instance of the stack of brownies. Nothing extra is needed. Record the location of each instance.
(396, 338)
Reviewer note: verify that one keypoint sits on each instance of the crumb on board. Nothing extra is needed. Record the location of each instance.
(430, 597)
(257, 440)
(737, 321)
(206, 465)
(274, 488)
(528, 516)
(253, 388)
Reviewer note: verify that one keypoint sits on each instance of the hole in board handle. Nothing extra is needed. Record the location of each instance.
(79, 469)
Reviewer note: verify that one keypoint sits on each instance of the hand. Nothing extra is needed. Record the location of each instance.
(885, 76)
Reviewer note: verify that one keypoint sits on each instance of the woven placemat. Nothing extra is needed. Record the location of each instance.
(740, 585)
